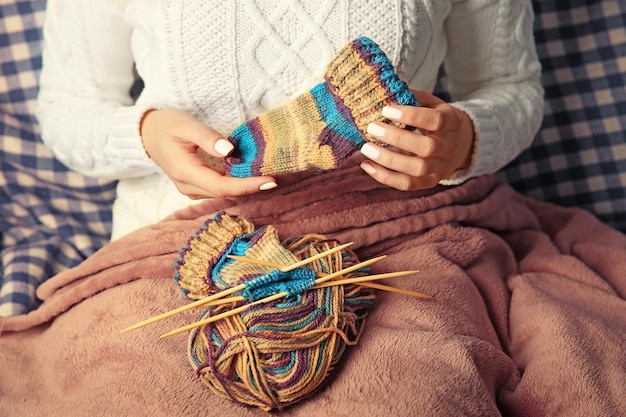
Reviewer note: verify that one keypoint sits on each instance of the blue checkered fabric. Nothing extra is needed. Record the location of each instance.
(579, 156)
(50, 218)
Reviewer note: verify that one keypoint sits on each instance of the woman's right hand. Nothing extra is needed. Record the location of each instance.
(172, 139)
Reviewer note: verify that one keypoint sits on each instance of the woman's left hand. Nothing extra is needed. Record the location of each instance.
(441, 144)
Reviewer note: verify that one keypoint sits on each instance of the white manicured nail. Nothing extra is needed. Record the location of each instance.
(368, 168)
(391, 112)
(370, 151)
(375, 130)
(268, 186)
(223, 147)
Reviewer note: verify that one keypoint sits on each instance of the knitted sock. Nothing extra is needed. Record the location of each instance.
(321, 128)
(204, 267)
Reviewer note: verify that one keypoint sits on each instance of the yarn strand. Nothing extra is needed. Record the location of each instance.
(272, 331)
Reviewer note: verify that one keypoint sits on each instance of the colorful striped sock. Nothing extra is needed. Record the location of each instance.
(320, 129)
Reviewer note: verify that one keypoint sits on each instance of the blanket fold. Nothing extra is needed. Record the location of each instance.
(528, 316)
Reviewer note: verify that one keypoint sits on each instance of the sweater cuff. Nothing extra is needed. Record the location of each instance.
(485, 136)
(125, 139)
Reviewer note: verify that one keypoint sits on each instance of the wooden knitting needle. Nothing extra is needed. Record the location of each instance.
(363, 283)
(229, 291)
(268, 299)
(304, 261)
(396, 290)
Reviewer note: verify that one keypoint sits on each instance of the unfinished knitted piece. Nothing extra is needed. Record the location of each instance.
(205, 250)
(272, 354)
(321, 128)
(204, 268)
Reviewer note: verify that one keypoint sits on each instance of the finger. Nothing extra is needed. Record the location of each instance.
(424, 118)
(196, 179)
(193, 192)
(213, 143)
(409, 164)
(238, 187)
(232, 186)
(207, 139)
(398, 180)
(412, 142)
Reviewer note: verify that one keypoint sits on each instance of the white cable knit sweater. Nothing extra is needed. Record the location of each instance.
(228, 61)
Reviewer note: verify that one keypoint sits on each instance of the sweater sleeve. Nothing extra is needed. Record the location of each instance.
(86, 114)
(494, 76)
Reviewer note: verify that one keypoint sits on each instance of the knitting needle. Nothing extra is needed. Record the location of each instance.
(268, 299)
(362, 281)
(306, 260)
(229, 291)
(363, 284)
(396, 290)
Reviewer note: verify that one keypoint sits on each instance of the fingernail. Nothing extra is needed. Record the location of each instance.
(370, 151)
(268, 186)
(369, 168)
(391, 112)
(223, 147)
(375, 130)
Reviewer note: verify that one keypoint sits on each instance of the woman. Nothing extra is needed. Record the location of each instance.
(209, 67)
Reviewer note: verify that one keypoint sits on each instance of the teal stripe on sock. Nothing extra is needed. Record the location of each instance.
(336, 121)
(247, 146)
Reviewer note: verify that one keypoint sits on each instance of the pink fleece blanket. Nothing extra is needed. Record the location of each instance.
(528, 316)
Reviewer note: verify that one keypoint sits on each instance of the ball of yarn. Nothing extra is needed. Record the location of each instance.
(274, 354)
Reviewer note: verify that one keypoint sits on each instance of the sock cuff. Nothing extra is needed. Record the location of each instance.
(204, 251)
(365, 81)
(204, 267)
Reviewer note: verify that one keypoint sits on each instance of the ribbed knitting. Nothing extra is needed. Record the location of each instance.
(206, 251)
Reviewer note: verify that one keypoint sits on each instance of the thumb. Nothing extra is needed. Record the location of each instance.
(212, 142)
(209, 140)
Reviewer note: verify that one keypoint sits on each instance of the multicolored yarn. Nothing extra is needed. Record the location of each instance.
(323, 127)
(210, 246)
(273, 354)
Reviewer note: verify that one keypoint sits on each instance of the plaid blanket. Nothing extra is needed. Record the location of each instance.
(52, 219)
(579, 157)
